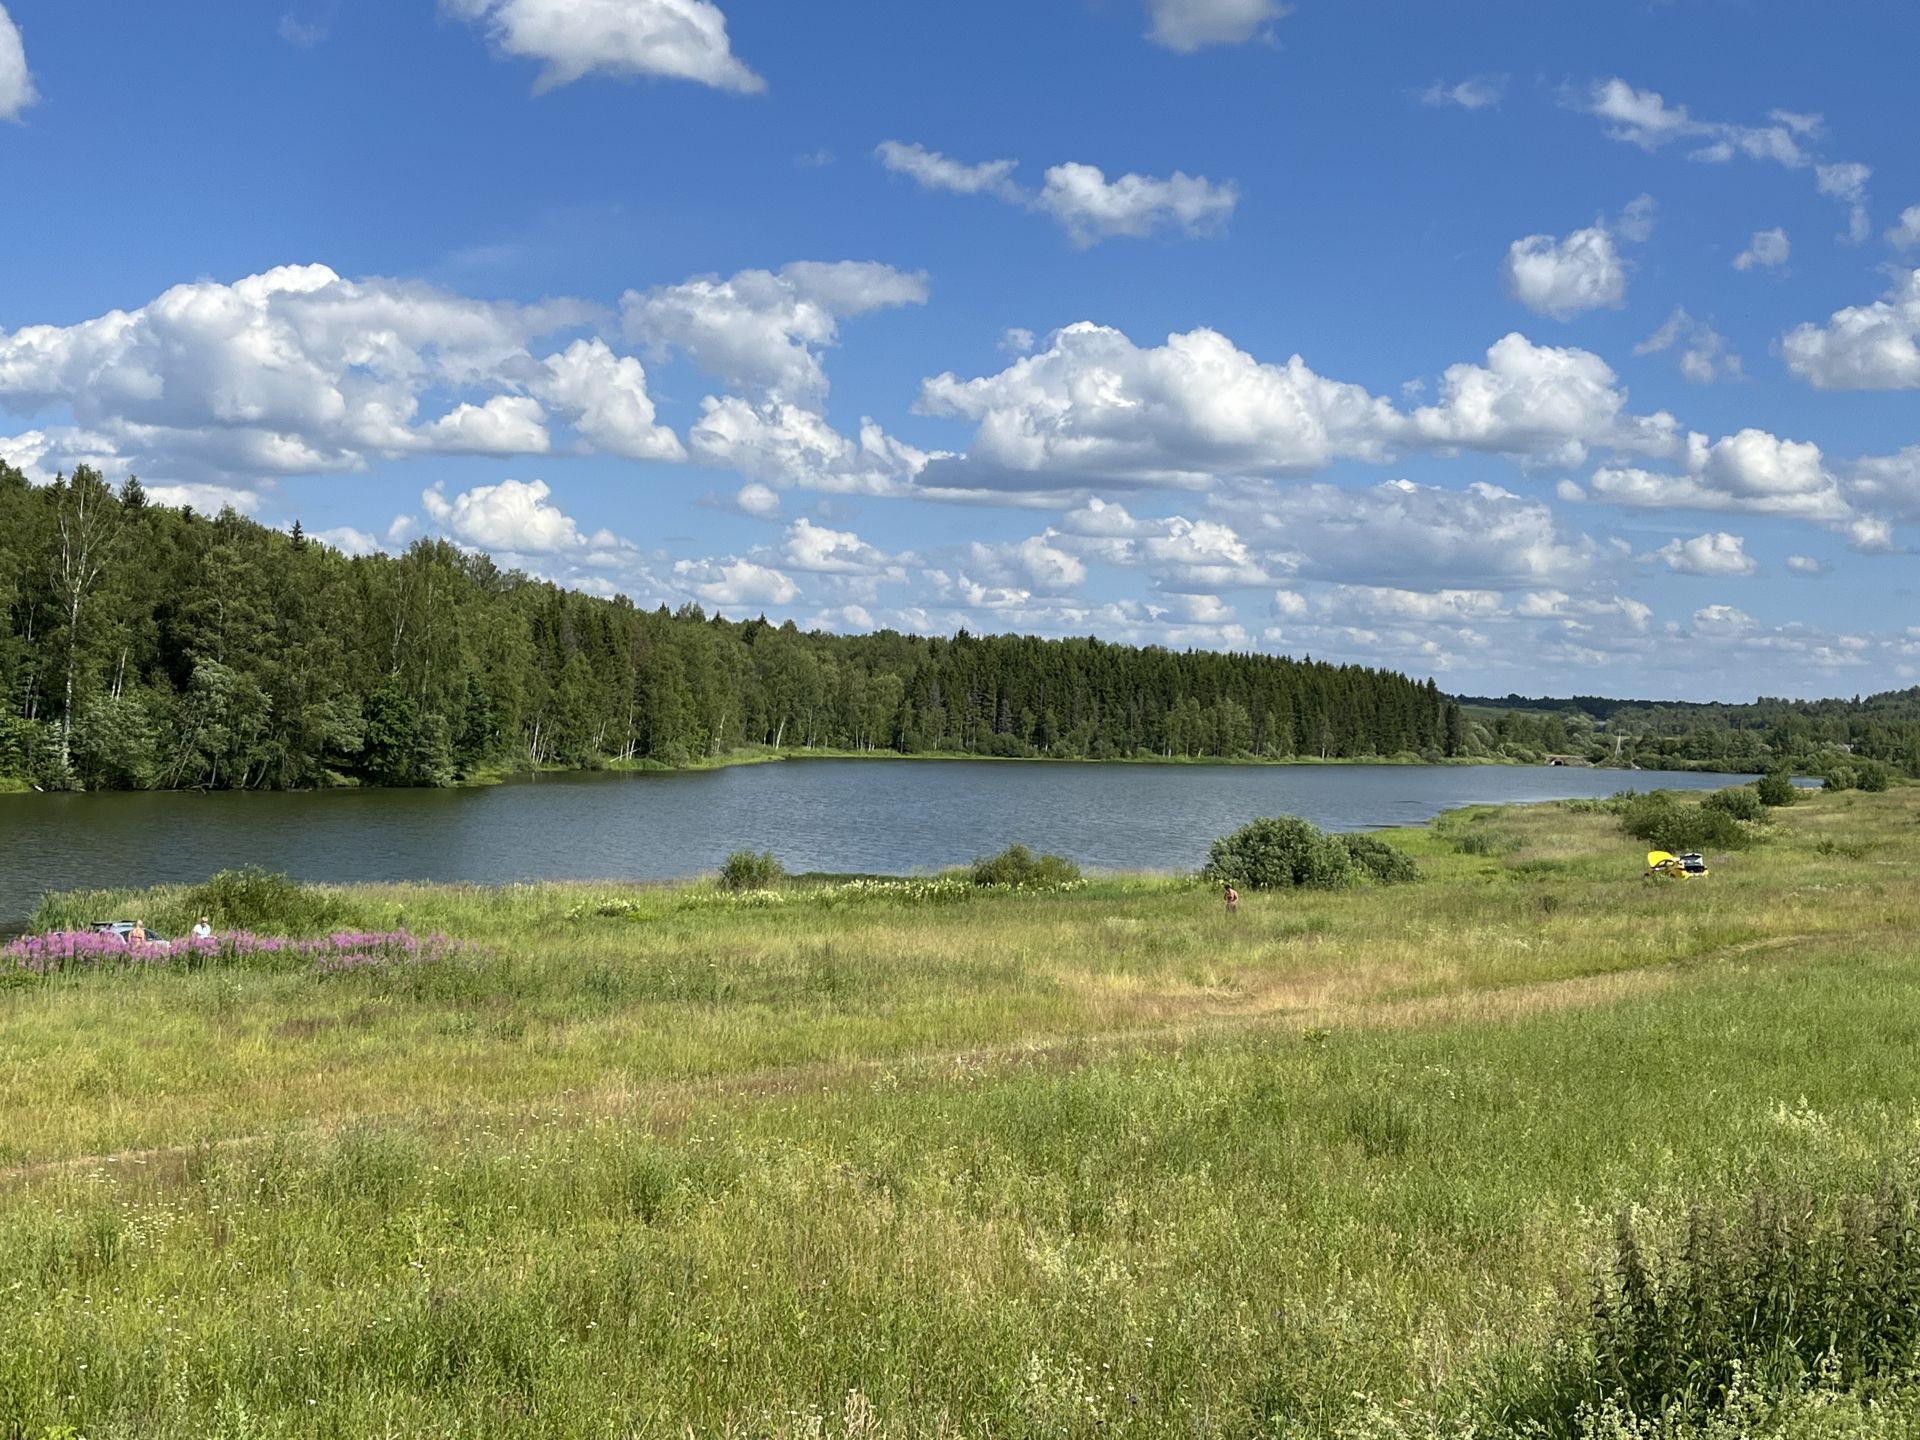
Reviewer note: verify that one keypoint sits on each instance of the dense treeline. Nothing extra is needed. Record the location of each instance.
(147, 646)
(1813, 736)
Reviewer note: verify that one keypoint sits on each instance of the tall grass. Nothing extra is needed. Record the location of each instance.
(1098, 1162)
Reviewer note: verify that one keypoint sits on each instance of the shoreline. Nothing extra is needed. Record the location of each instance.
(759, 755)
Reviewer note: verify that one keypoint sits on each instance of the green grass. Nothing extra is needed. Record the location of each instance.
(1100, 1163)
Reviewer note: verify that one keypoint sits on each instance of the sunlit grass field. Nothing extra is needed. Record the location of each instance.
(1110, 1162)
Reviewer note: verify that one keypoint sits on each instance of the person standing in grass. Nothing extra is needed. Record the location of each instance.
(202, 930)
(1233, 901)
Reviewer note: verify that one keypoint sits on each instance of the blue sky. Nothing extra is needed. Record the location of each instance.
(1571, 349)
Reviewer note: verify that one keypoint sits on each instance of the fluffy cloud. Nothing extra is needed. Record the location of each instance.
(1094, 406)
(1752, 472)
(821, 551)
(1536, 400)
(607, 396)
(505, 425)
(1408, 536)
(1563, 277)
(16, 82)
(1476, 92)
(514, 517)
(1767, 250)
(1906, 234)
(789, 446)
(1806, 565)
(209, 498)
(1093, 208)
(1036, 563)
(762, 331)
(1889, 484)
(757, 500)
(681, 39)
(1704, 356)
(1186, 25)
(1087, 205)
(1385, 602)
(1863, 347)
(348, 541)
(1584, 271)
(299, 371)
(40, 455)
(1716, 554)
(935, 171)
(734, 584)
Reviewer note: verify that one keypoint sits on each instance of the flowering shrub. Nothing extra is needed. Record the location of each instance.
(65, 950)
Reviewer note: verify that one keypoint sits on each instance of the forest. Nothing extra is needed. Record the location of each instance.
(146, 646)
(1816, 737)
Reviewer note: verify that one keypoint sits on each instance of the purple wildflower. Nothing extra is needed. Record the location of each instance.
(86, 950)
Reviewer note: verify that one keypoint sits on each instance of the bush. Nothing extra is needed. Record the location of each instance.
(256, 899)
(1016, 865)
(1662, 818)
(1742, 802)
(746, 870)
(1379, 861)
(1772, 1299)
(1775, 788)
(1279, 854)
(1871, 775)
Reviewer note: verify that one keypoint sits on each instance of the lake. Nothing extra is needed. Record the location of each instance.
(839, 815)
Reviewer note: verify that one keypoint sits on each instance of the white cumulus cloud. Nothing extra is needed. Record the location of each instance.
(513, 517)
(1767, 250)
(789, 446)
(1863, 347)
(1093, 208)
(1540, 401)
(1716, 553)
(761, 330)
(1583, 271)
(1906, 234)
(1561, 278)
(735, 584)
(1752, 472)
(1093, 405)
(1184, 26)
(681, 39)
(16, 81)
(300, 371)
(1079, 197)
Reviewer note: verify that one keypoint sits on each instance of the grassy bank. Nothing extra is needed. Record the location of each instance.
(1108, 1162)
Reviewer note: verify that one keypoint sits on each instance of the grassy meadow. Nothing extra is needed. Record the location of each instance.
(663, 1162)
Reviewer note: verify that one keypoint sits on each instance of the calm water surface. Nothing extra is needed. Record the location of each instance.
(838, 815)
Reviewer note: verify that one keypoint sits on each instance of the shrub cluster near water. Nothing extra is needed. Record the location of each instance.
(1285, 852)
